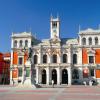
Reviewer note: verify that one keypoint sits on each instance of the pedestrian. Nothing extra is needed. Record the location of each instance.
(53, 83)
(13, 81)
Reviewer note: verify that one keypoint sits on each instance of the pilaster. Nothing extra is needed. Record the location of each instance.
(58, 76)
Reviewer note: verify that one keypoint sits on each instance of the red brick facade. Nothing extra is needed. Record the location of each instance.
(4, 68)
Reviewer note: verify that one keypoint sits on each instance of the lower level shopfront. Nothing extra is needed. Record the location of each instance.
(63, 75)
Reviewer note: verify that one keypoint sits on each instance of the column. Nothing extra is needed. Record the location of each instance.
(70, 55)
(11, 66)
(49, 58)
(69, 76)
(11, 82)
(47, 75)
(58, 76)
(37, 75)
(39, 56)
(60, 58)
(94, 73)
(80, 74)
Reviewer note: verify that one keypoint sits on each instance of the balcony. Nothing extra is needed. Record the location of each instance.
(53, 64)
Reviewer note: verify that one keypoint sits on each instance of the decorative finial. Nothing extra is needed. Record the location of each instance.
(99, 27)
(58, 15)
(30, 30)
(79, 28)
(12, 33)
(51, 17)
(35, 36)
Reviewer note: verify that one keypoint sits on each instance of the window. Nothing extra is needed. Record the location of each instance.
(27, 72)
(35, 59)
(96, 41)
(15, 43)
(54, 24)
(84, 41)
(54, 58)
(26, 43)
(92, 72)
(74, 59)
(44, 58)
(90, 41)
(91, 59)
(64, 58)
(20, 61)
(21, 43)
(19, 72)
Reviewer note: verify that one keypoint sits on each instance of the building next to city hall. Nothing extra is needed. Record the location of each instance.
(4, 68)
(63, 60)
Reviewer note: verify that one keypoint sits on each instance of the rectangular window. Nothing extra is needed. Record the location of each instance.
(91, 59)
(20, 61)
(27, 72)
(19, 72)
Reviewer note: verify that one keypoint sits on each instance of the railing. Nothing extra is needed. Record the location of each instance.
(53, 64)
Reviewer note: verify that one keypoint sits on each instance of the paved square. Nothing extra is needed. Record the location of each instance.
(66, 93)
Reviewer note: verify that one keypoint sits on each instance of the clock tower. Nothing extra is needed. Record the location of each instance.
(54, 27)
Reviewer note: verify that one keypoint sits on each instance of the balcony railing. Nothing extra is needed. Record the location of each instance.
(53, 64)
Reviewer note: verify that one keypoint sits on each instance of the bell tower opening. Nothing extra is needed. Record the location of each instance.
(54, 27)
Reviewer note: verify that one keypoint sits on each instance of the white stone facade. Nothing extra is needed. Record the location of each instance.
(55, 58)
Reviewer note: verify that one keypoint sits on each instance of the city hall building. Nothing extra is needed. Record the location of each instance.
(63, 60)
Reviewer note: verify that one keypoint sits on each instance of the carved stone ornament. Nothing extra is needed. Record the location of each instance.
(20, 52)
(36, 51)
(55, 40)
(65, 51)
(91, 51)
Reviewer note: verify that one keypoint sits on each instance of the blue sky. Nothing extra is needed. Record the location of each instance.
(21, 15)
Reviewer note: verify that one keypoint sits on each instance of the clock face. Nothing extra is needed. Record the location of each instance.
(54, 30)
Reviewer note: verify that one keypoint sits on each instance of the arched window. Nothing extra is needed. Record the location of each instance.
(64, 58)
(54, 58)
(54, 24)
(96, 41)
(45, 58)
(35, 59)
(21, 43)
(84, 41)
(90, 41)
(26, 43)
(64, 76)
(74, 58)
(15, 43)
(75, 74)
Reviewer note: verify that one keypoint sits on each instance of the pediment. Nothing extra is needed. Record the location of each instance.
(91, 51)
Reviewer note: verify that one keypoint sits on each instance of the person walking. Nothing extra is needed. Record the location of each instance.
(53, 83)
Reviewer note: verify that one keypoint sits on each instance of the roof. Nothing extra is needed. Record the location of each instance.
(22, 34)
(7, 54)
(72, 41)
(90, 31)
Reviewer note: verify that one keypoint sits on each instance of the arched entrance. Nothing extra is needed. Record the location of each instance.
(43, 76)
(75, 74)
(64, 76)
(54, 76)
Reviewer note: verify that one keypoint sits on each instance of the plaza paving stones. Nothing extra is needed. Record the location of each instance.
(66, 93)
